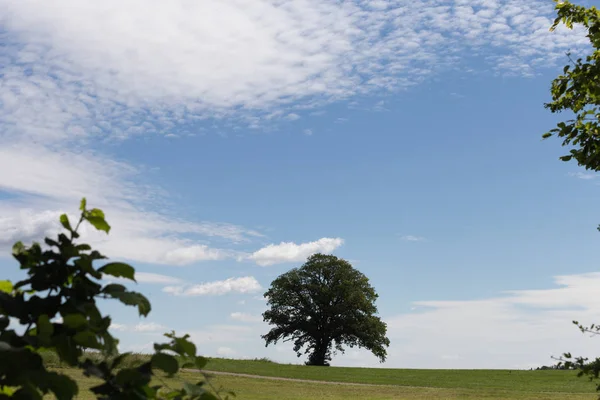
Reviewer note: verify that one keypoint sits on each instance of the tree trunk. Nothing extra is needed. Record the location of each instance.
(319, 356)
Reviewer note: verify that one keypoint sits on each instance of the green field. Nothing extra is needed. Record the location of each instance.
(381, 383)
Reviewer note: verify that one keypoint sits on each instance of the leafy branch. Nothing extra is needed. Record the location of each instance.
(57, 305)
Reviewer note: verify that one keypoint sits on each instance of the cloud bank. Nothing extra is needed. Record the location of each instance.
(74, 73)
(147, 67)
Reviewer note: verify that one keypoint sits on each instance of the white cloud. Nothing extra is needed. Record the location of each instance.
(118, 327)
(516, 330)
(292, 117)
(69, 79)
(148, 327)
(226, 334)
(521, 329)
(147, 277)
(292, 252)
(225, 351)
(145, 327)
(186, 255)
(247, 284)
(25, 225)
(412, 238)
(145, 67)
(308, 132)
(583, 175)
(245, 317)
(38, 198)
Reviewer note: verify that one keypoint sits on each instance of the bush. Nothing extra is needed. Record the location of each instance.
(53, 316)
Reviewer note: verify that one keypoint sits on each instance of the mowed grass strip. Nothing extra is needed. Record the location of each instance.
(548, 381)
(263, 389)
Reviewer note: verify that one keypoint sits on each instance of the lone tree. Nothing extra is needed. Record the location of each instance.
(325, 303)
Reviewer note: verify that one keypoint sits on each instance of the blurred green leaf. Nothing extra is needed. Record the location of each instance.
(165, 362)
(98, 223)
(120, 293)
(44, 329)
(119, 270)
(75, 321)
(64, 220)
(194, 390)
(201, 362)
(62, 386)
(6, 286)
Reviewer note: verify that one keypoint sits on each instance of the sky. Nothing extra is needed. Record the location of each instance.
(228, 140)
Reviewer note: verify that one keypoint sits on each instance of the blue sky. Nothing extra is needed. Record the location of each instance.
(227, 141)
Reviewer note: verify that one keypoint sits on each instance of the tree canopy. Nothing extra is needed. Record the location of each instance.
(322, 306)
(577, 90)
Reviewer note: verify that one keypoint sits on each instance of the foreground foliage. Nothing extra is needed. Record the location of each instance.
(55, 310)
(578, 90)
(322, 306)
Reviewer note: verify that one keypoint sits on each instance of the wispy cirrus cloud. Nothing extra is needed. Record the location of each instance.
(245, 317)
(45, 183)
(69, 78)
(292, 252)
(148, 277)
(146, 67)
(583, 175)
(412, 238)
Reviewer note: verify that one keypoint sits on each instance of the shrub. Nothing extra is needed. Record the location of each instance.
(53, 313)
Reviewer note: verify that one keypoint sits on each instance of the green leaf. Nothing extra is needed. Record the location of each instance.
(113, 288)
(18, 248)
(87, 339)
(62, 386)
(64, 220)
(130, 376)
(193, 390)
(119, 359)
(95, 217)
(120, 293)
(201, 362)
(82, 204)
(118, 270)
(165, 362)
(96, 212)
(7, 390)
(75, 321)
(98, 223)
(66, 349)
(44, 328)
(6, 286)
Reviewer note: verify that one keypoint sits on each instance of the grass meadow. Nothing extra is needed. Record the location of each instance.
(341, 383)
